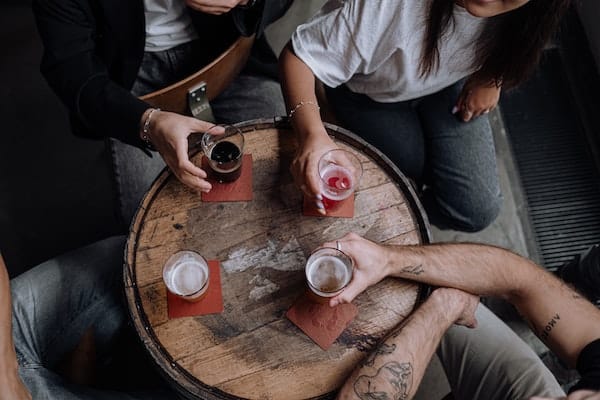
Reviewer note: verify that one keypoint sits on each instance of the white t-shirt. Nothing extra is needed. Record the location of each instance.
(168, 24)
(374, 46)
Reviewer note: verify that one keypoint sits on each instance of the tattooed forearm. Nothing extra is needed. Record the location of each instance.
(381, 350)
(393, 381)
(413, 269)
(549, 326)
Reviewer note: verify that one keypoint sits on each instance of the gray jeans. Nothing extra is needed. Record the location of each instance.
(55, 303)
(491, 362)
(249, 96)
(455, 160)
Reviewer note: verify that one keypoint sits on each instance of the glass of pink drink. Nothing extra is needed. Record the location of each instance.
(340, 172)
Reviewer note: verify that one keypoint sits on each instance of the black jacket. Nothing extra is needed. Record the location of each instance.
(93, 50)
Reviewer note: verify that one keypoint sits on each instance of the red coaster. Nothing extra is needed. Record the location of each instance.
(322, 323)
(239, 190)
(211, 303)
(345, 210)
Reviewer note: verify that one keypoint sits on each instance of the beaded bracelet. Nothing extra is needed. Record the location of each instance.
(146, 128)
(300, 105)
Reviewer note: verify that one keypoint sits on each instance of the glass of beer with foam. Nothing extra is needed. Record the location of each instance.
(328, 272)
(186, 275)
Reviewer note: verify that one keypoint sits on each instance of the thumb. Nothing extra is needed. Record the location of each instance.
(348, 294)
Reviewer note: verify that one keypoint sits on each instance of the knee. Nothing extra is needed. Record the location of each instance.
(464, 213)
(474, 216)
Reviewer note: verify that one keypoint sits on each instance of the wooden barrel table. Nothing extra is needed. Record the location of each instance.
(251, 350)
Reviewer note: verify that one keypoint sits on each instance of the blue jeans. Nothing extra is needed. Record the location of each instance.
(454, 160)
(55, 303)
(249, 96)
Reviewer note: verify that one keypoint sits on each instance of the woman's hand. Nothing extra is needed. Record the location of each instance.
(216, 7)
(168, 132)
(305, 166)
(370, 260)
(477, 97)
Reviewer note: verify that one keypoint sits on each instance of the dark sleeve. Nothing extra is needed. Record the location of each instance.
(78, 76)
(256, 18)
(588, 366)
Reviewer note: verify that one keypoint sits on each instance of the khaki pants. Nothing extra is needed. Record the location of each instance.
(491, 362)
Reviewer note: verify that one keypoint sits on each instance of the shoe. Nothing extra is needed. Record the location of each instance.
(583, 272)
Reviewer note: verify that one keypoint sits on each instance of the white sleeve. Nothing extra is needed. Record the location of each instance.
(350, 37)
(326, 45)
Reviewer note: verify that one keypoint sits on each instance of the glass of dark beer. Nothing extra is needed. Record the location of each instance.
(328, 272)
(224, 153)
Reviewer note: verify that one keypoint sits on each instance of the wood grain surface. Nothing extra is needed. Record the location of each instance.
(251, 350)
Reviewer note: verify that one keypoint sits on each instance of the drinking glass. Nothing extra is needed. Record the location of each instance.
(224, 152)
(340, 172)
(328, 271)
(186, 275)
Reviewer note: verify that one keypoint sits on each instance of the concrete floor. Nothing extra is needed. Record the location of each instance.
(55, 189)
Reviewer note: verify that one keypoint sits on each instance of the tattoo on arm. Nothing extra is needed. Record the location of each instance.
(380, 350)
(413, 269)
(549, 326)
(393, 381)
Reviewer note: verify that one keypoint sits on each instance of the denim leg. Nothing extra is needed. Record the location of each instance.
(491, 362)
(461, 165)
(249, 97)
(393, 128)
(56, 302)
(133, 174)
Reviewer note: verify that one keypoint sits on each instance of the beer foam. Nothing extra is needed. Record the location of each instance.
(328, 273)
(188, 278)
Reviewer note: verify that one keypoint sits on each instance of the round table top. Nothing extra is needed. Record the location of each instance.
(251, 350)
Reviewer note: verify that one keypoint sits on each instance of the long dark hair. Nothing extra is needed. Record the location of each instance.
(510, 44)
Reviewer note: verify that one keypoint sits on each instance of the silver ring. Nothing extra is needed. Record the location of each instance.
(338, 245)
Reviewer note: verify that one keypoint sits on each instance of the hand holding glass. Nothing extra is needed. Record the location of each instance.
(328, 272)
(340, 172)
(224, 152)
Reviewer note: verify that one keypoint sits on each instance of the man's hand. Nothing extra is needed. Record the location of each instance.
(305, 166)
(216, 7)
(168, 133)
(370, 261)
(476, 98)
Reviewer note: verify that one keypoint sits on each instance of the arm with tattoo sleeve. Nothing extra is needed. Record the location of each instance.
(395, 369)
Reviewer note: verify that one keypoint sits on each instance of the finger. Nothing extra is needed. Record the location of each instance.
(184, 164)
(202, 126)
(466, 115)
(194, 182)
(348, 294)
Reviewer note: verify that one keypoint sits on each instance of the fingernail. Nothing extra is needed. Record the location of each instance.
(454, 110)
(319, 197)
(320, 204)
(486, 111)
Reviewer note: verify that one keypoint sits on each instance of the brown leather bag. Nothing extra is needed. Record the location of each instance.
(191, 95)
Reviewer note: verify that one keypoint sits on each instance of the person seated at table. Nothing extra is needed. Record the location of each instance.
(416, 79)
(67, 315)
(483, 358)
(99, 57)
